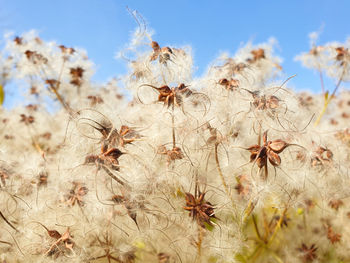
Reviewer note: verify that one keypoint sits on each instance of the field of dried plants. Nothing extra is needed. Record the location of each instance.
(161, 166)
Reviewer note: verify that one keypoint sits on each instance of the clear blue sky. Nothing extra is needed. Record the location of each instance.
(103, 27)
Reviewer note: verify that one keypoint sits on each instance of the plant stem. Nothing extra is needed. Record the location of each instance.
(223, 181)
(199, 243)
(329, 98)
(173, 125)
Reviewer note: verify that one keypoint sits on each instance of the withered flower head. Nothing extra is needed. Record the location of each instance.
(263, 102)
(270, 150)
(77, 76)
(173, 154)
(336, 203)
(66, 50)
(172, 96)
(35, 57)
(332, 236)
(163, 54)
(321, 156)
(231, 84)
(42, 179)
(95, 99)
(18, 40)
(257, 55)
(308, 253)
(63, 243)
(27, 119)
(53, 83)
(76, 194)
(199, 209)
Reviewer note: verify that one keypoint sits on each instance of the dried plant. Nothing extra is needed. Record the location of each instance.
(68, 128)
(269, 150)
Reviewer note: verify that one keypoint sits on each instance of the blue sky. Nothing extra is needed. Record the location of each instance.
(103, 27)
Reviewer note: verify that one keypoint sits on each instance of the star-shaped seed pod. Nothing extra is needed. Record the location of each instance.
(172, 96)
(229, 84)
(200, 210)
(308, 254)
(163, 54)
(270, 150)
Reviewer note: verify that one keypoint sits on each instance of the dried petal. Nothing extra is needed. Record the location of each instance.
(278, 145)
(274, 158)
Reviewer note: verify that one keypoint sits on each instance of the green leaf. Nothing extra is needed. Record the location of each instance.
(240, 258)
(2, 94)
(208, 226)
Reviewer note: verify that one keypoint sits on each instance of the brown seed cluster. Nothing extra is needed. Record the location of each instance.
(27, 119)
(231, 84)
(77, 76)
(200, 210)
(270, 150)
(35, 57)
(162, 54)
(76, 194)
(174, 154)
(321, 156)
(308, 254)
(172, 96)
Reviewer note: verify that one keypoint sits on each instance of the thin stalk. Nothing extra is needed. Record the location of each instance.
(199, 243)
(256, 228)
(328, 99)
(223, 181)
(322, 82)
(248, 210)
(278, 226)
(173, 125)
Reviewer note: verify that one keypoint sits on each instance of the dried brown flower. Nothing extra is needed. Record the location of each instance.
(343, 55)
(172, 96)
(27, 119)
(231, 84)
(321, 156)
(200, 210)
(332, 237)
(66, 50)
(76, 194)
(95, 99)
(35, 57)
(107, 157)
(162, 53)
(270, 150)
(308, 253)
(63, 243)
(18, 40)
(53, 83)
(42, 179)
(336, 203)
(77, 76)
(172, 155)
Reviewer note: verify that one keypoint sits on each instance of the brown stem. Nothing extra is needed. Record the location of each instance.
(173, 125)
